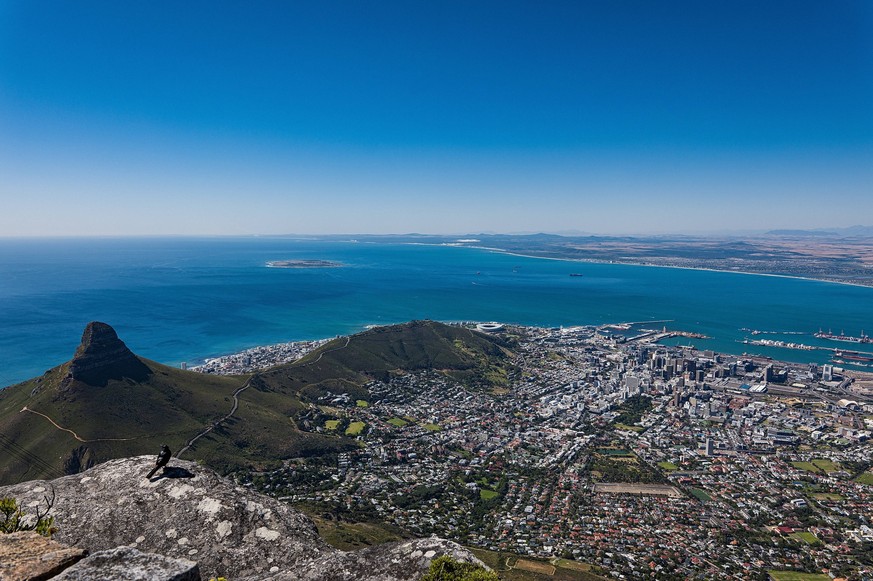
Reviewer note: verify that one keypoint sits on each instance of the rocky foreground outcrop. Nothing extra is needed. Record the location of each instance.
(28, 555)
(192, 513)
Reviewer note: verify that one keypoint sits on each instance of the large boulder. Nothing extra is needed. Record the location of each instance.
(189, 512)
(405, 561)
(131, 565)
(27, 556)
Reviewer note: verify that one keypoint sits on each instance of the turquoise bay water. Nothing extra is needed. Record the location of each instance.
(176, 300)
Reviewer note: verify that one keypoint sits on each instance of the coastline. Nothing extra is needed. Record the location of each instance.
(261, 357)
(267, 356)
(700, 268)
(203, 361)
(225, 313)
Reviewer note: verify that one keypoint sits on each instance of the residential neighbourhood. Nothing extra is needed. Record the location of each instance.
(640, 459)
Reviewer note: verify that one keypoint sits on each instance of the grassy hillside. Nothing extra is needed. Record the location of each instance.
(345, 365)
(121, 416)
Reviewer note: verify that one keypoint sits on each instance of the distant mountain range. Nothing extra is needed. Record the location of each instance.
(851, 231)
(106, 402)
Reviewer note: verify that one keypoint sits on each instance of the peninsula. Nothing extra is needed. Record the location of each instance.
(837, 255)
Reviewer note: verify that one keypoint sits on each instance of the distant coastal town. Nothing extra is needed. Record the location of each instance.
(256, 358)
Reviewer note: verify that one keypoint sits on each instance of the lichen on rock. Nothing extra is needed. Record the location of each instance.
(231, 531)
(130, 564)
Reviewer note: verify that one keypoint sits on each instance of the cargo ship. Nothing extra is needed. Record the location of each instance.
(853, 356)
(842, 337)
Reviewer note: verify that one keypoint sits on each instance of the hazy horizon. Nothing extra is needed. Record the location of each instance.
(399, 234)
(210, 119)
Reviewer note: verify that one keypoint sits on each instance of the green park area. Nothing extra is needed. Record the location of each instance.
(331, 424)
(614, 452)
(795, 576)
(355, 428)
(668, 466)
(398, 422)
(826, 465)
(806, 537)
(362, 403)
(627, 428)
(818, 466)
(513, 567)
(827, 496)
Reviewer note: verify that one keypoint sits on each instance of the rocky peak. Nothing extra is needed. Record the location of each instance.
(189, 512)
(102, 356)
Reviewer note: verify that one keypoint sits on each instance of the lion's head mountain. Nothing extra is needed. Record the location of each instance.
(104, 409)
(106, 402)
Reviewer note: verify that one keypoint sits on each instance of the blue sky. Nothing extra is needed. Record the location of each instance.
(443, 117)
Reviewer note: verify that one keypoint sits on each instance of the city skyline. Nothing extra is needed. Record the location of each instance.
(450, 118)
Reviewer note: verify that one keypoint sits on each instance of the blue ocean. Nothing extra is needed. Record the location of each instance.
(175, 300)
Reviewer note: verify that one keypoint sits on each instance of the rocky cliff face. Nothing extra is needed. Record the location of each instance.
(191, 513)
(102, 356)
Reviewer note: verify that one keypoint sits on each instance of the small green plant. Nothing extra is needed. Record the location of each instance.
(14, 519)
(447, 569)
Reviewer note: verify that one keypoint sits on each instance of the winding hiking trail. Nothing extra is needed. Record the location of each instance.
(190, 442)
(75, 435)
(217, 423)
(245, 386)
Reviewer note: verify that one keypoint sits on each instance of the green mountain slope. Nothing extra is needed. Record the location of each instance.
(121, 418)
(108, 403)
(345, 365)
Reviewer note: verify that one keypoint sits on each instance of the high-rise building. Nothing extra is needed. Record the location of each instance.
(633, 384)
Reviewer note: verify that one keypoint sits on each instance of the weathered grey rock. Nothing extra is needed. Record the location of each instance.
(29, 556)
(231, 531)
(405, 561)
(130, 564)
(191, 513)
